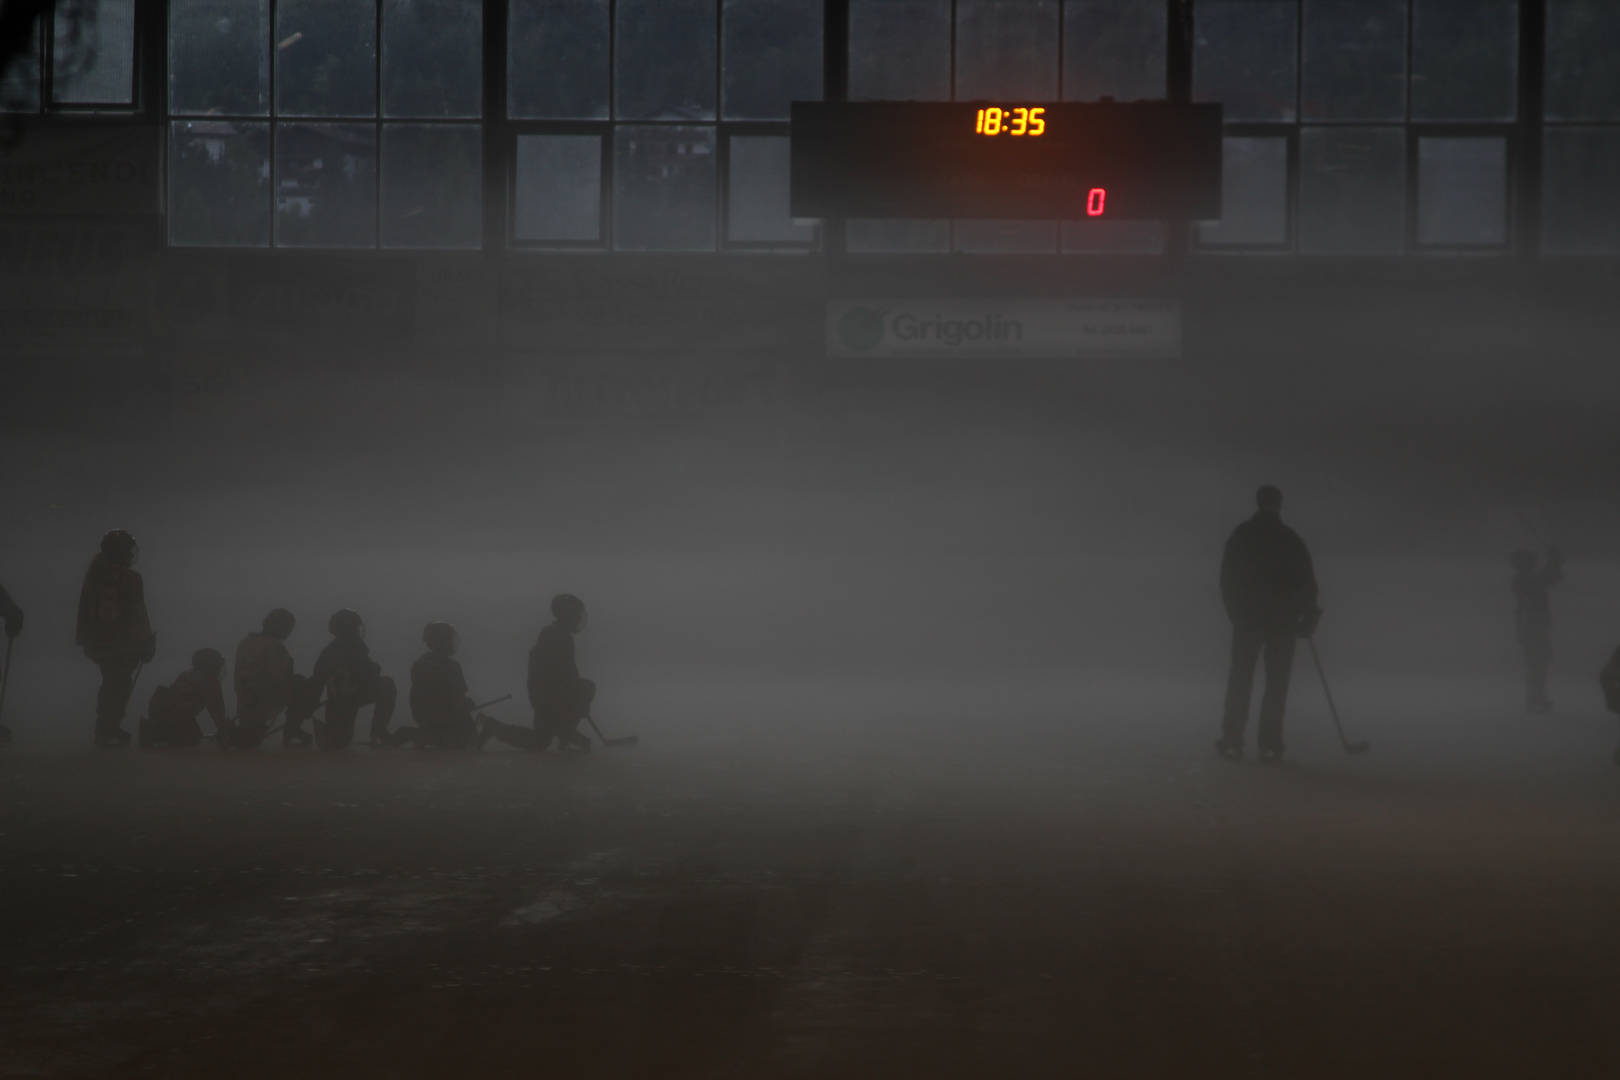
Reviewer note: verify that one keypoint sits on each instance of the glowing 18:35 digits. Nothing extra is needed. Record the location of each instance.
(1022, 121)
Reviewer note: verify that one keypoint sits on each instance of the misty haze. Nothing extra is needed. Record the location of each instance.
(901, 550)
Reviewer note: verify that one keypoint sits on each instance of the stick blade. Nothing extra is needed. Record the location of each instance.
(628, 740)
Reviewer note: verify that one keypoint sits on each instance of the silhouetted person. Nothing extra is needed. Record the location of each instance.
(440, 708)
(171, 716)
(1532, 620)
(350, 679)
(13, 616)
(1269, 589)
(1609, 679)
(266, 685)
(114, 630)
(559, 697)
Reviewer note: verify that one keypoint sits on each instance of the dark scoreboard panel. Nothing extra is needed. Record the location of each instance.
(998, 159)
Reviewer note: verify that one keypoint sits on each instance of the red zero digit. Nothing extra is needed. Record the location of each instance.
(1095, 198)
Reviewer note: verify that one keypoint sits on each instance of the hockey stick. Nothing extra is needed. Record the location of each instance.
(1349, 747)
(628, 740)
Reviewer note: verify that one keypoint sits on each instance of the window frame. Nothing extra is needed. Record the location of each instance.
(1525, 133)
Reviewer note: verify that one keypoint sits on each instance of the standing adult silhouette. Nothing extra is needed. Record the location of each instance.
(1269, 589)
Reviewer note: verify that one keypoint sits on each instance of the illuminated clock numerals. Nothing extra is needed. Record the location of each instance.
(1096, 201)
(1018, 121)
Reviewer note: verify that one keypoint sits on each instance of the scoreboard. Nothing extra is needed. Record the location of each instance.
(1006, 159)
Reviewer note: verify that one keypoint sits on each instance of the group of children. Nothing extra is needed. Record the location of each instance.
(115, 632)
(346, 679)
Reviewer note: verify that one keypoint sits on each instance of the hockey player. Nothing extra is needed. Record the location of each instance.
(1532, 620)
(114, 630)
(1269, 589)
(559, 696)
(440, 708)
(266, 685)
(171, 716)
(350, 679)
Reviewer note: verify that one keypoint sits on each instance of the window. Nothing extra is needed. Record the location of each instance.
(1581, 208)
(1114, 48)
(1353, 127)
(1354, 54)
(1254, 194)
(91, 46)
(1465, 59)
(663, 188)
(1581, 160)
(1347, 117)
(1462, 191)
(773, 56)
(658, 125)
(557, 59)
(1352, 190)
(558, 194)
(1245, 55)
(757, 210)
(325, 123)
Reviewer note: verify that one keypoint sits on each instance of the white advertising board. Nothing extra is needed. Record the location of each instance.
(1043, 329)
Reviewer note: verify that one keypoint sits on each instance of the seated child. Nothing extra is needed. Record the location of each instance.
(171, 718)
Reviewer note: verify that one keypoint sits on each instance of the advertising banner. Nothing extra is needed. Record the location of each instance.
(1012, 329)
(82, 170)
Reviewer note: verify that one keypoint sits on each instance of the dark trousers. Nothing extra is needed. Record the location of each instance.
(112, 700)
(558, 714)
(337, 732)
(1249, 642)
(1537, 648)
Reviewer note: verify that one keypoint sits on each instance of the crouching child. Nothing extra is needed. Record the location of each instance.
(171, 716)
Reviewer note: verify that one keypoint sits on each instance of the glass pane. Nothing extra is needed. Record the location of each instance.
(1580, 209)
(663, 66)
(1355, 60)
(897, 236)
(431, 195)
(1113, 237)
(1465, 59)
(1254, 194)
(326, 185)
(219, 57)
(663, 188)
(1352, 191)
(1006, 237)
(558, 189)
(757, 193)
(19, 90)
(773, 56)
(1462, 191)
(219, 184)
(557, 59)
(433, 57)
(900, 50)
(326, 58)
(1007, 49)
(1583, 60)
(93, 53)
(1244, 56)
(1114, 48)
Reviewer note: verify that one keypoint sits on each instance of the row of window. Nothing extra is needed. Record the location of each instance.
(639, 60)
(693, 188)
(1354, 126)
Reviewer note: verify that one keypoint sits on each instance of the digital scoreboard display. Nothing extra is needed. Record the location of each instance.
(1140, 161)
